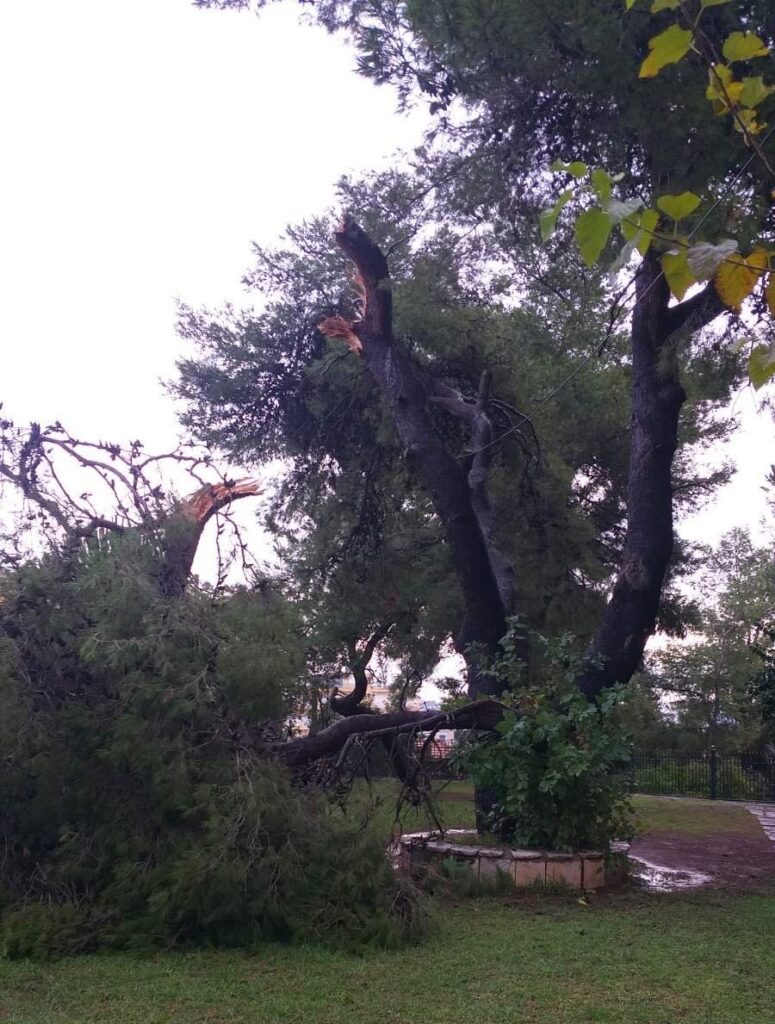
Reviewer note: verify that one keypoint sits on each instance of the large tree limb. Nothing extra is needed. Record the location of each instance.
(407, 392)
(348, 703)
(657, 396)
(481, 714)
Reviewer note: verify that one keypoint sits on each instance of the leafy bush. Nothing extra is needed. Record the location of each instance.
(139, 799)
(557, 765)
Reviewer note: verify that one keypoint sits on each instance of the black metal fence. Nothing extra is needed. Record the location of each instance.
(711, 775)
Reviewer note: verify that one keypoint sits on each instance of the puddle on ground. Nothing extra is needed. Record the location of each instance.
(660, 879)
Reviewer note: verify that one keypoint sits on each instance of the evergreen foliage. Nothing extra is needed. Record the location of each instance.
(139, 801)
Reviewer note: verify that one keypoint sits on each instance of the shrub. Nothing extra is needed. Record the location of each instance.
(557, 765)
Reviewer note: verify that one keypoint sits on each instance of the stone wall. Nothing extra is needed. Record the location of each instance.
(589, 869)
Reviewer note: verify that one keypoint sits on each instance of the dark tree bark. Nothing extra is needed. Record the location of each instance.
(458, 491)
(630, 616)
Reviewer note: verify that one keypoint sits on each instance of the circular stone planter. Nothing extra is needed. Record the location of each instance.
(588, 869)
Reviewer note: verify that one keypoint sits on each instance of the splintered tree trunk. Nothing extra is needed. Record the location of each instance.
(458, 487)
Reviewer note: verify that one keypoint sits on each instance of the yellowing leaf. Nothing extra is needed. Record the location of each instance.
(761, 365)
(754, 90)
(592, 230)
(769, 294)
(666, 48)
(736, 278)
(722, 88)
(678, 273)
(678, 207)
(746, 122)
(743, 46)
(712, 3)
(760, 259)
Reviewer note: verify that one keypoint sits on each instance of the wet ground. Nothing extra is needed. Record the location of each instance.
(657, 878)
(673, 861)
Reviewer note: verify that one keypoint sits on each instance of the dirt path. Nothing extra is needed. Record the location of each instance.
(734, 861)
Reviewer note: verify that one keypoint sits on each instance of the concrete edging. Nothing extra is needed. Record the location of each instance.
(587, 869)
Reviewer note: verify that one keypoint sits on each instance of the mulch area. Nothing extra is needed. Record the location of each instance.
(735, 861)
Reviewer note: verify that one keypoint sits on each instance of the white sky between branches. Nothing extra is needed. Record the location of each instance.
(145, 144)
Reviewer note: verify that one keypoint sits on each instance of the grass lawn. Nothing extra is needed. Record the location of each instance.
(653, 814)
(643, 960)
(700, 958)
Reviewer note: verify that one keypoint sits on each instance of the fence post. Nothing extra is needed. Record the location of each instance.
(713, 772)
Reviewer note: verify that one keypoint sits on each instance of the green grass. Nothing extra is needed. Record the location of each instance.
(654, 814)
(644, 959)
(655, 960)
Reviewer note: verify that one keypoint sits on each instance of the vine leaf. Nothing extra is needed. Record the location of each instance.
(754, 91)
(677, 273)
(704, 258)
(548, 219)
(761, 365)
(722, 88)
(640, 230)
(666, 48)
(678, 207)
(736, 278)
(576, 168)
(592, 230)
(618, 209)
(744, 46)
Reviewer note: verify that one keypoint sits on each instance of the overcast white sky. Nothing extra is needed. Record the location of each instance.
(145, 144)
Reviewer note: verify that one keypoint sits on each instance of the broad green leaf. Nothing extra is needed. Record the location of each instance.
(618, 209)
(704, 258)
(666, 48)
(761, 365)
(712, 3)
(664, 5)
(736, 278)
(743, 46)
(577, 168)
(628, 4)
(602, 184)
(678, 207)
(548, 219)
(640, 230)
(677, 273)
(754, 90)
(592, 230)
(769, 294)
